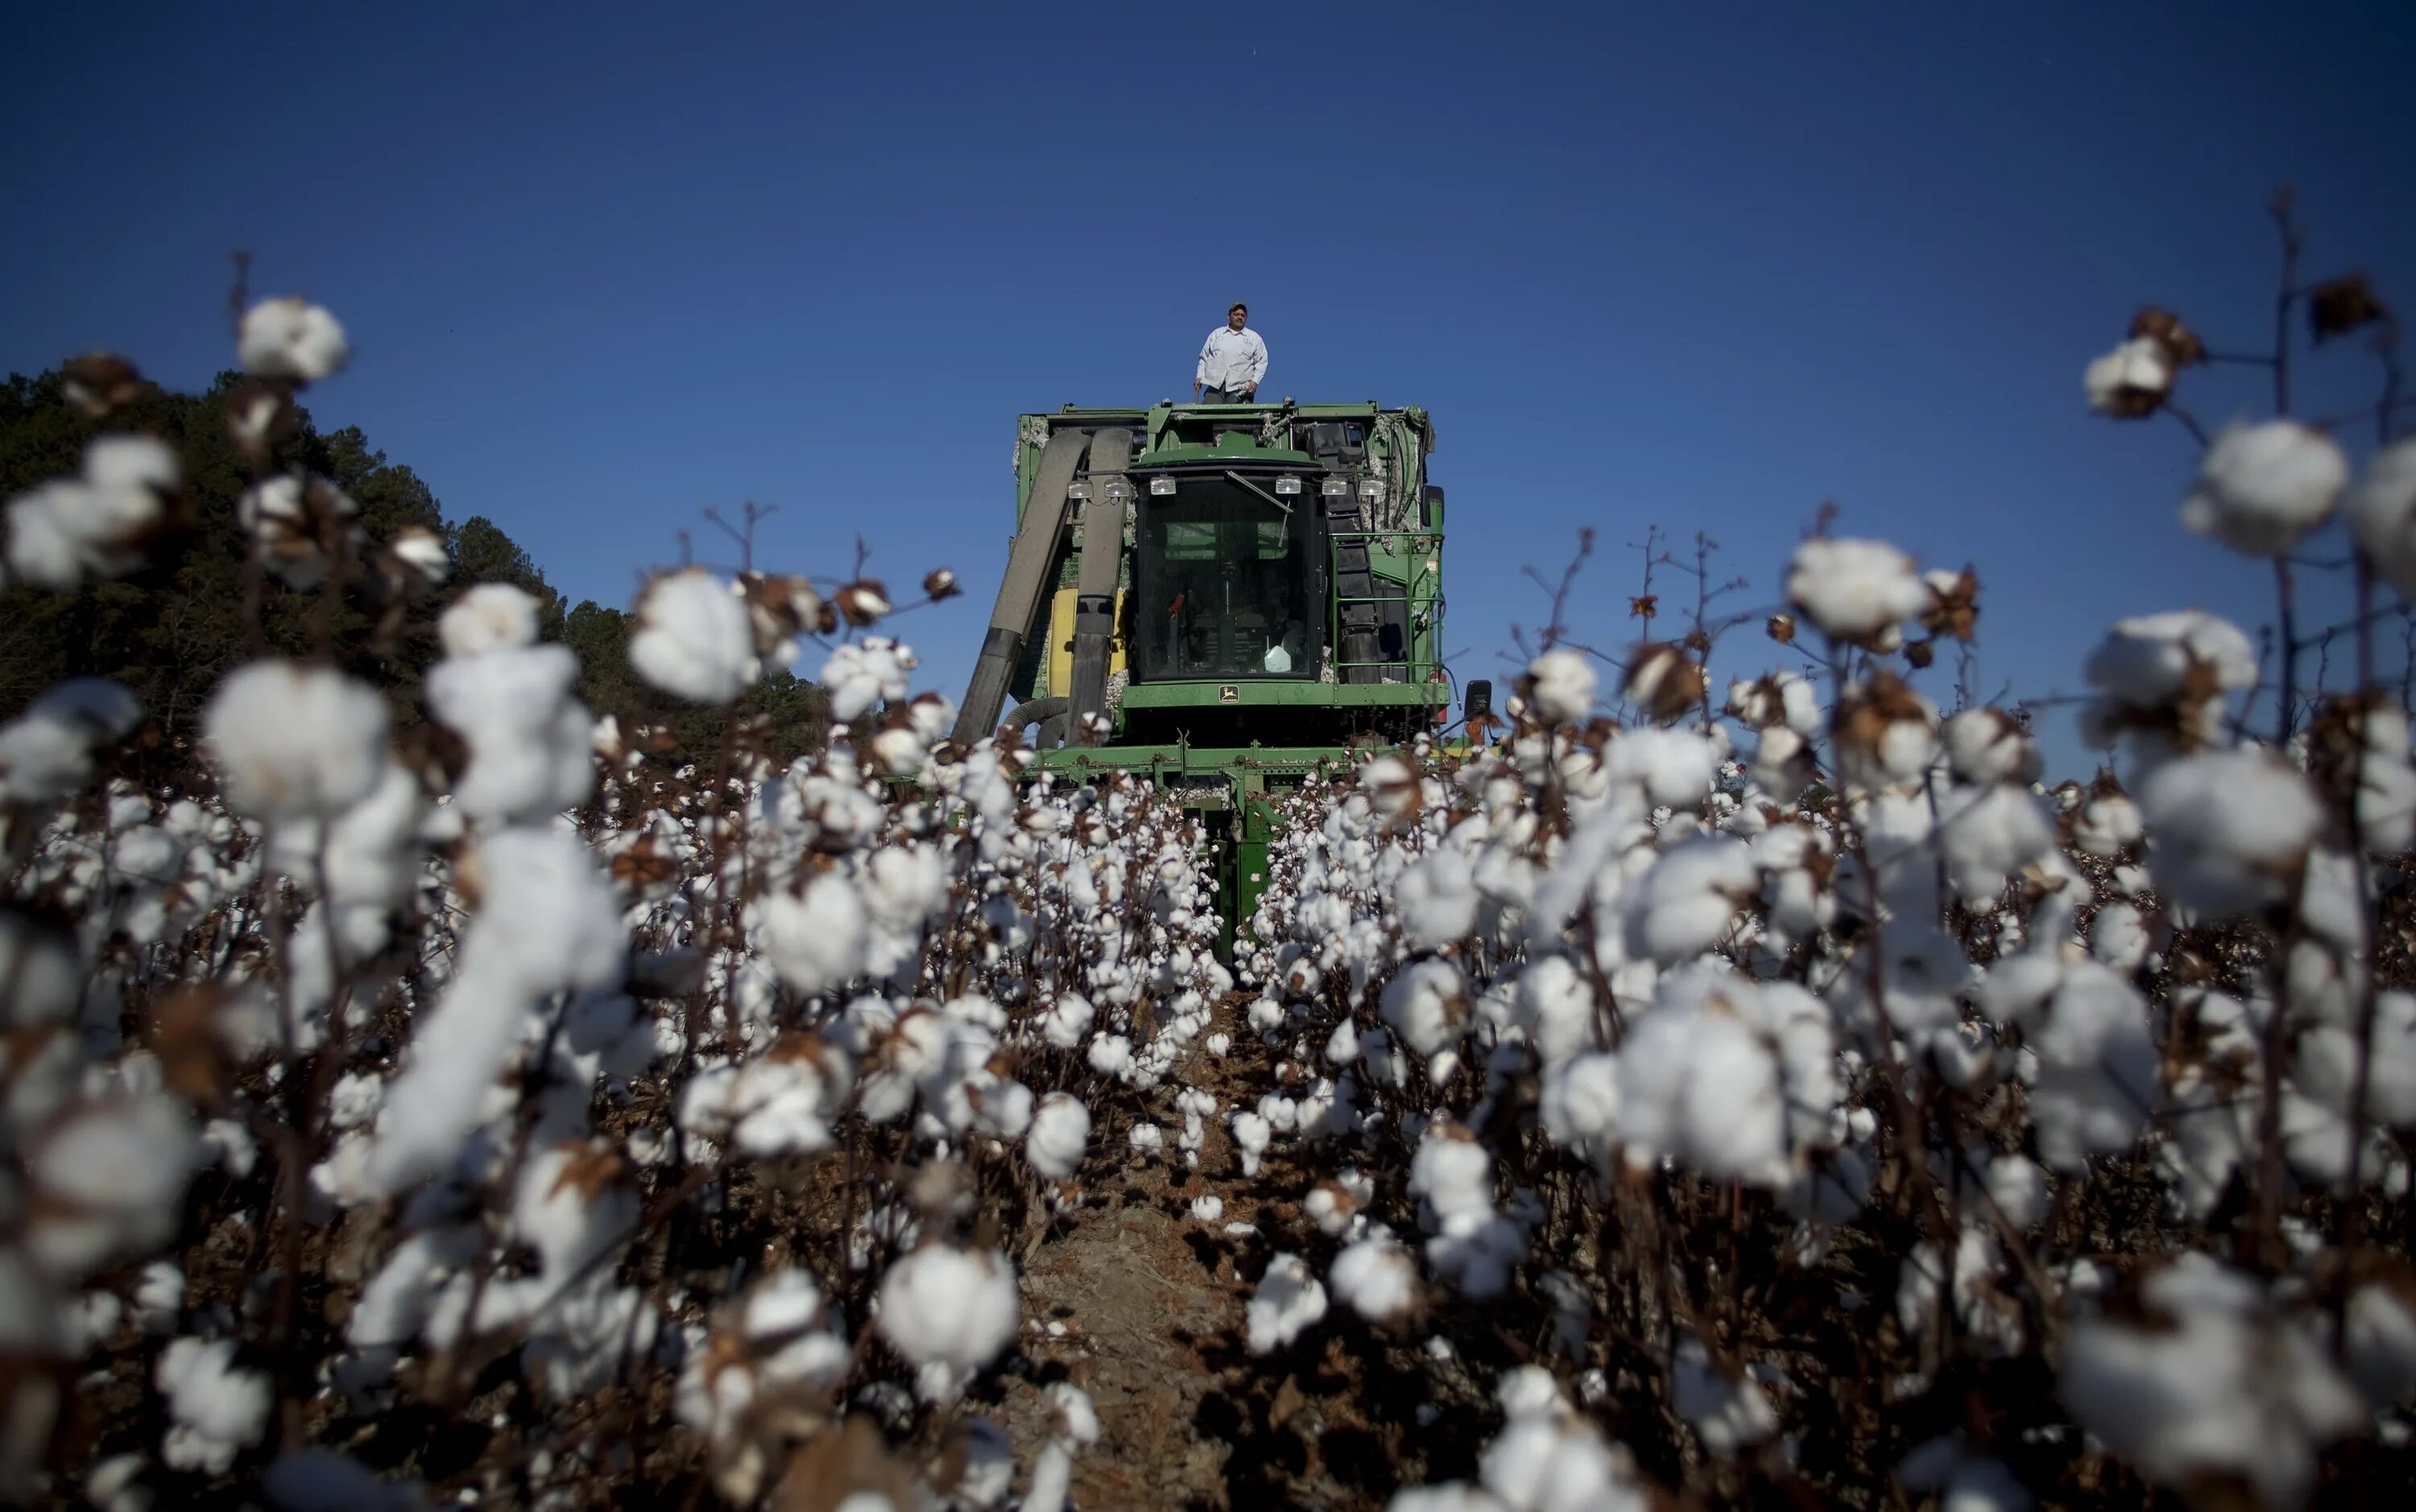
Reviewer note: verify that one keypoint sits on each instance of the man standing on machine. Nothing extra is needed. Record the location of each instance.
(1232, 362)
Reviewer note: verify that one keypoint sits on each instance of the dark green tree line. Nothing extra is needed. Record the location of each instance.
(173, 630)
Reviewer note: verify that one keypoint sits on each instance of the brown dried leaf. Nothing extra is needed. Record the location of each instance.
(2182, 346)
(2339, 306)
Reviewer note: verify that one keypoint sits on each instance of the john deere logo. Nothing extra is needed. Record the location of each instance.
(1229, 694)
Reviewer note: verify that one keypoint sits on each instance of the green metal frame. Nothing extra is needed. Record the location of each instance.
(1413, 560)
(1235, 787)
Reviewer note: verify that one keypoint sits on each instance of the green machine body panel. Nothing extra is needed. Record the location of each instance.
(1278, 608)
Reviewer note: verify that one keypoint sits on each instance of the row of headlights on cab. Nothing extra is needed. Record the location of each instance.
(1120, 491)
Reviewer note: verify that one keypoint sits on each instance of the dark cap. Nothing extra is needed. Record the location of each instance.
(1238, 305)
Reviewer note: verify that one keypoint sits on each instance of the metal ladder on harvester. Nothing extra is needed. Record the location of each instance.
(1360, 642)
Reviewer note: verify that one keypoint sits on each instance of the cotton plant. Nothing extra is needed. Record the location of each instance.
(1632, 1025)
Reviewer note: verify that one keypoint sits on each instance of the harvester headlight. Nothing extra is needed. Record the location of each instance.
(1287, 485)
(1080, 493)
(1371, 488)
(1160, 487)
(1119, 491)
(1335, 487)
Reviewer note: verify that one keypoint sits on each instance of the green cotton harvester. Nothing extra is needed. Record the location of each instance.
(1221, 598)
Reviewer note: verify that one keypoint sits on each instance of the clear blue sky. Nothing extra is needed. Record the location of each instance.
(1701, 267)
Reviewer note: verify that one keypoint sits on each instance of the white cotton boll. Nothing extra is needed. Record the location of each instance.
(1454, 1174)
(216, 1409)
(1561, 687)
(1251, 1132)
(2216, 1388)
(2386, 793)
(354, 1100)
(692, 638)
(1073, 1424)
(1556, 1008)
(949, 1311)
(546, 911)
(2381, 1335)
(862, 673)
(1701, 1085)
(296, 520)
(782, 1324)
(488, 617)
(1855, 589)
(1450, 1496)
(2228, 828)
(817, 940)
(2146, 661)
(47, 751)
(1001, 1109)
(547, 922)
(2163, 674)
(2119, 937)
(442, 1097)
(2263, 486)
(1985, 834)
(1428, 1006)
(2108, 823)
(2096, 1080)
(159, 1298)
(292, 339)
(294, 741)
(1377, 1279)
(1207, 1210)
(1726, 1410)
(92, 1319)
(1067, 1021)
(1580, 1103)
(517, 709)
(1674, 768)
(229, 1146)
(1689, 900)
(1985, 745)
(1556, 1462)
(109, 1182)
(2381, 511)
(2019, 1190)
(1111, 1054)
(2325, 1067)
(1782, 763)
(1059, 1137)
(1981, 1307)
(45, 545)
(95, 523)
(1288, 1300)
(781, 1102)
(570, 1208)
(2137, 370)
(1145, 1138)
(1436, 900)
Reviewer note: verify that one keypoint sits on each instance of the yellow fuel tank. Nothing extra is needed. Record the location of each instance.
(1060, 641)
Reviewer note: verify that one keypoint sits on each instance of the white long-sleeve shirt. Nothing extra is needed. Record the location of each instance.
(1232, 360)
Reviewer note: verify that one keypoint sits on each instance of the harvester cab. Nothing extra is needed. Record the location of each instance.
(1222, 600)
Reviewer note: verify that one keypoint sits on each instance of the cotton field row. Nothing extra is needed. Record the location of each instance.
(1790, 1097)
